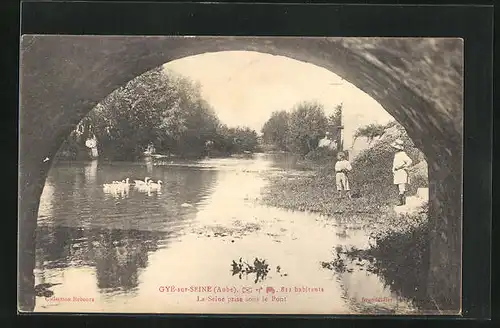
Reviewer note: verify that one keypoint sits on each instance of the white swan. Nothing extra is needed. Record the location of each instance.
(143, 187)
(124, 184)
(140, 182)
(112, 187)
(155, 186)
(108, 186)
(117, 185)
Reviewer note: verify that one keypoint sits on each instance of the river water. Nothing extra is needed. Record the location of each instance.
(123, 252)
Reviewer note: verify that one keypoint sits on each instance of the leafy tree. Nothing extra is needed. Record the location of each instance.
(276, 130)
(245, 139)
(307, 125)
(159, 108)
(163, 109)
(335, 119)
(335, 123)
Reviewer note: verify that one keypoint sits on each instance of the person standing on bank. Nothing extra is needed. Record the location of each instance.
(400, 166)
(342, 168)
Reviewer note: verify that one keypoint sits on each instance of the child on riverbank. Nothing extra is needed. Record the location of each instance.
(342, 168)
(400, 166)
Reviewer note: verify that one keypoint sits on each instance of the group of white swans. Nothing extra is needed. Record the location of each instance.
(121, 188)
(146, 185)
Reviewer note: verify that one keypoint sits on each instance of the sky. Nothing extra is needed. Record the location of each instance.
(245, 87)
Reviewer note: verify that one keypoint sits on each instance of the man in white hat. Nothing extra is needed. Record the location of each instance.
(399, 168)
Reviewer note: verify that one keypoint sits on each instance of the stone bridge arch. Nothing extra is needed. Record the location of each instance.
(418, 81)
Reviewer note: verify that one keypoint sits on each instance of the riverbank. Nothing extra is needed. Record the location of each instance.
(398, 249)
(374, 195)
(371, 182)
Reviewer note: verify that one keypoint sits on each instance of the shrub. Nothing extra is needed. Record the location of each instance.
(370, 131)
(372, 168)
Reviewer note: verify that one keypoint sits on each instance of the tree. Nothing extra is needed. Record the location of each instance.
(372, 131)
(335, 119)
(276, 130)
(163, 109)
(246, 139)
(307, 125)
(157, 107)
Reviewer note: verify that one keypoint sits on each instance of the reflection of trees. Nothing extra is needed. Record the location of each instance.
(400, 261)
(66, 240)
(57, 247)
(119, 254)
(116, 254)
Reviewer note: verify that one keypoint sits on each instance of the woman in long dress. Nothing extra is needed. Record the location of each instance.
(400, 166)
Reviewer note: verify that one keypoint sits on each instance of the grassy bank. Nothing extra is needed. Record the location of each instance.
(370, 180)
(399, 244)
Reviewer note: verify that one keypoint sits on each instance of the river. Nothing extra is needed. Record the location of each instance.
(123, 252)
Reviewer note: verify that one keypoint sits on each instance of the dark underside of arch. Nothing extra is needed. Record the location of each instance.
(63, 77)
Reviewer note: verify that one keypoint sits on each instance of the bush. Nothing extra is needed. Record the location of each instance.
(321, 155)
(370, 131)
(372, 168)
(301, 130)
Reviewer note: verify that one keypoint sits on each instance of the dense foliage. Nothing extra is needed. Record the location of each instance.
(300, 130)
(276, 130)
(372, 168)
(335, 123)
(370, 131)
(163, 110)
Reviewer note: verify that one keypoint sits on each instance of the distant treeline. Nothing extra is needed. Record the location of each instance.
(300, 130)
(162, 109)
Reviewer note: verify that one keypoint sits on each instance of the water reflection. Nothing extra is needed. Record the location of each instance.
(69, 199)
(149, 165)
(117, 255)
(81, 225)
(119, 250)
(367, 286)
(91, 172)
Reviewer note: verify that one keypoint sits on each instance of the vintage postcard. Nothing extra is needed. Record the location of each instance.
(240, 175)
